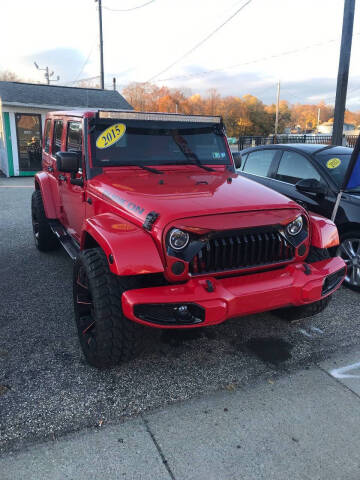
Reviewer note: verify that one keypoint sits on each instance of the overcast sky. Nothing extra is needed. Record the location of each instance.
(249, 54)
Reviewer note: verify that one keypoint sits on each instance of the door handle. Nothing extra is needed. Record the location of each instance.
(62, 177)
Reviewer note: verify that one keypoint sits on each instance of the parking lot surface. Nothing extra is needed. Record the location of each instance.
(47, 389)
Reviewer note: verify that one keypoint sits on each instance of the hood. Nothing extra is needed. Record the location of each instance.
(184, 194)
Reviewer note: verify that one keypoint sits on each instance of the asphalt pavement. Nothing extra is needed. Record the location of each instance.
(301, 426)
(47, 390)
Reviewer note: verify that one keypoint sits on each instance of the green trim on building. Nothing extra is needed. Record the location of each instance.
(26, 174)
(6, 119)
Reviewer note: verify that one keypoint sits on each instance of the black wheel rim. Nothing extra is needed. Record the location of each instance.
(349, 250)
(35, 225)
(84, 310)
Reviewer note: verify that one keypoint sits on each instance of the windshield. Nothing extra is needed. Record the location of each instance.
(157, 143)
(336, 166)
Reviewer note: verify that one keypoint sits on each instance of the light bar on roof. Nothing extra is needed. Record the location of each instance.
(169, 117)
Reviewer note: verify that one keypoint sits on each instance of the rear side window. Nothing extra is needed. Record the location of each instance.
(47, 136)
(294, 167)
(74, 137)
(258, 163)
(58, 129)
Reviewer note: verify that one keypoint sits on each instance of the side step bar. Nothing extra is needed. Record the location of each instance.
(70, 245)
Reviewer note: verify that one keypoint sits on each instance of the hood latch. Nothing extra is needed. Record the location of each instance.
(150, 220)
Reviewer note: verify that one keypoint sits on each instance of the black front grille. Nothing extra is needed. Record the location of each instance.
(241, 250)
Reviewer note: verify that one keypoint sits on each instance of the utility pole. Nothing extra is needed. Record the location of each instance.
(343, 72)
(47, 74)
(318, 117)
(101, 46)
(277, 108)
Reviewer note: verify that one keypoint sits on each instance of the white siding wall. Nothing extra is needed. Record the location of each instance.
(3, 152)
(20, 109)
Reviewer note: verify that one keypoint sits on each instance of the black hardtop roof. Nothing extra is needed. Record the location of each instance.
(309, 148)
(60, 96)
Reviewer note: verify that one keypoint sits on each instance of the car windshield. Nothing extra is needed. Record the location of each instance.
(336, 166)
(157, 143)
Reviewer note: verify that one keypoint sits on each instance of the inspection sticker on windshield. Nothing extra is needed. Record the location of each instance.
(333, 163)
(216, 155)
(110, 136)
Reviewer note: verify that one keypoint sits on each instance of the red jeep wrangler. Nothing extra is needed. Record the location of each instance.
(165, 234)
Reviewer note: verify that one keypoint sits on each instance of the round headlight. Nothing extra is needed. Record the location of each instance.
(178, 239)
(295, 227)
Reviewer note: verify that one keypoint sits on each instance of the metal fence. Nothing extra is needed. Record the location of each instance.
(254, 141)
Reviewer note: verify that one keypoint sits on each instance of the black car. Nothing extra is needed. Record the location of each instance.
(311, 175)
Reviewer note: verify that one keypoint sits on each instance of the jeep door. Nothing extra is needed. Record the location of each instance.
(69, 138)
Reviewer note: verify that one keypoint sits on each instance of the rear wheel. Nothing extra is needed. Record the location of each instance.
(106, 336)
(349, 250)
(304, 311)
(44, 238)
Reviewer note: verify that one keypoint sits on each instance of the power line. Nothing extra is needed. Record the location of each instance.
(260, 59)
(85, 63)
(128, 9)
(82, 80)
(201, 42)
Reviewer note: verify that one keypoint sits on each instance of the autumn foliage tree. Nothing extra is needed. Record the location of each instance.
(246, 115)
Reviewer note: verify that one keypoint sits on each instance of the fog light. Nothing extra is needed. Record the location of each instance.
(178, 268)
(183, 313)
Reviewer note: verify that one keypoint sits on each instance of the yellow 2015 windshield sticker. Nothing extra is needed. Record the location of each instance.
(333, 163)
(110, 136)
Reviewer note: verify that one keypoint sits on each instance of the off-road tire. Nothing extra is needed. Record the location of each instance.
(45, 239)
(106, 336)
(296, 313)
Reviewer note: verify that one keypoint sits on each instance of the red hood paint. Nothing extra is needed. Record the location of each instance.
(182, 194)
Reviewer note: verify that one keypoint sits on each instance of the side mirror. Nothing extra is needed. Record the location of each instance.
(67, 162)
(237, 159)
(310, 185)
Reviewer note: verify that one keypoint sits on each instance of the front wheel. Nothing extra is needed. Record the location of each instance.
(106, 336)
(349, 250)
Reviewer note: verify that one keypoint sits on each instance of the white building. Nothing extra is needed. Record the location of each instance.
(327, 128)
(23, 107)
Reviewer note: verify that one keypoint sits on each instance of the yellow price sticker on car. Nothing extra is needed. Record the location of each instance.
(110, 136)
(333, 163)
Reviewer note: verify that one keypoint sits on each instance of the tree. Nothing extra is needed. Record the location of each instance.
(7, 76)
(212, 102)
(261, 120)
(242, 116)
(235, 116)
(284, 115)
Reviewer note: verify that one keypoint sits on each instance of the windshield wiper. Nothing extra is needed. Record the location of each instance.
(186, 150)
(149, 169)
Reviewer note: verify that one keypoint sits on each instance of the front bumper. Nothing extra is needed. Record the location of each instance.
(295, 285)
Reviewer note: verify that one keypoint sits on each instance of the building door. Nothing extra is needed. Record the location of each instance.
(28, 133)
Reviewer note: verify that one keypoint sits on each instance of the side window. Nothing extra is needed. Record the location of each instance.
(74, 137)
(58, 129)
(258, 163)
(294, 167)
(47, 136)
